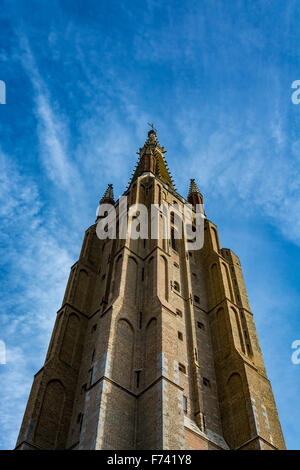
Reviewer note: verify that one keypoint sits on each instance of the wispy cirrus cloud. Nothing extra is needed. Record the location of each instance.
(253, 169)
(213, 77)
(35, 264)
(53, 132)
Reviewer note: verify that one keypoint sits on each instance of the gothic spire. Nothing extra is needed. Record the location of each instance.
(193, 187)
(153, 151)
(108, 197)
(194, 196)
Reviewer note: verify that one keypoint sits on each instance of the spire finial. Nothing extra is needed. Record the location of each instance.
(151, 124)
(108, 196)
(152, 136)
(193, 187)
(194, 196)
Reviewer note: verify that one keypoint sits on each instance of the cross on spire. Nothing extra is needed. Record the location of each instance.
(151, 124)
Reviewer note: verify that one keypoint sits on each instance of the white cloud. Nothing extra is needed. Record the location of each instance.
(32, 289)
(53, 131)
(243, 166)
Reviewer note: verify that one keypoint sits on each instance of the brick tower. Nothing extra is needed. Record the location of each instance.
(154, 347)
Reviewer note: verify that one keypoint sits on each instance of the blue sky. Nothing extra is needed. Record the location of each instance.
(83, 79)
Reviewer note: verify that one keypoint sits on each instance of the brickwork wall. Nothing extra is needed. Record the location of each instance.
(196, 442)
(144, 327)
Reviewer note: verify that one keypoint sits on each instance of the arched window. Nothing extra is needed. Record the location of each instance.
(47, 433)
(215, 240)
(226, 281)
(236, 329)
(159, 195)
(173, 240)
(176, 286)
(70, 340)
(237, 420)
(164, 276)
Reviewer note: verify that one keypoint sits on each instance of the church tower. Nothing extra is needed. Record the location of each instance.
(154, 347)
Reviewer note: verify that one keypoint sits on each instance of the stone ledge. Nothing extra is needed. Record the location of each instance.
(211, 436)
